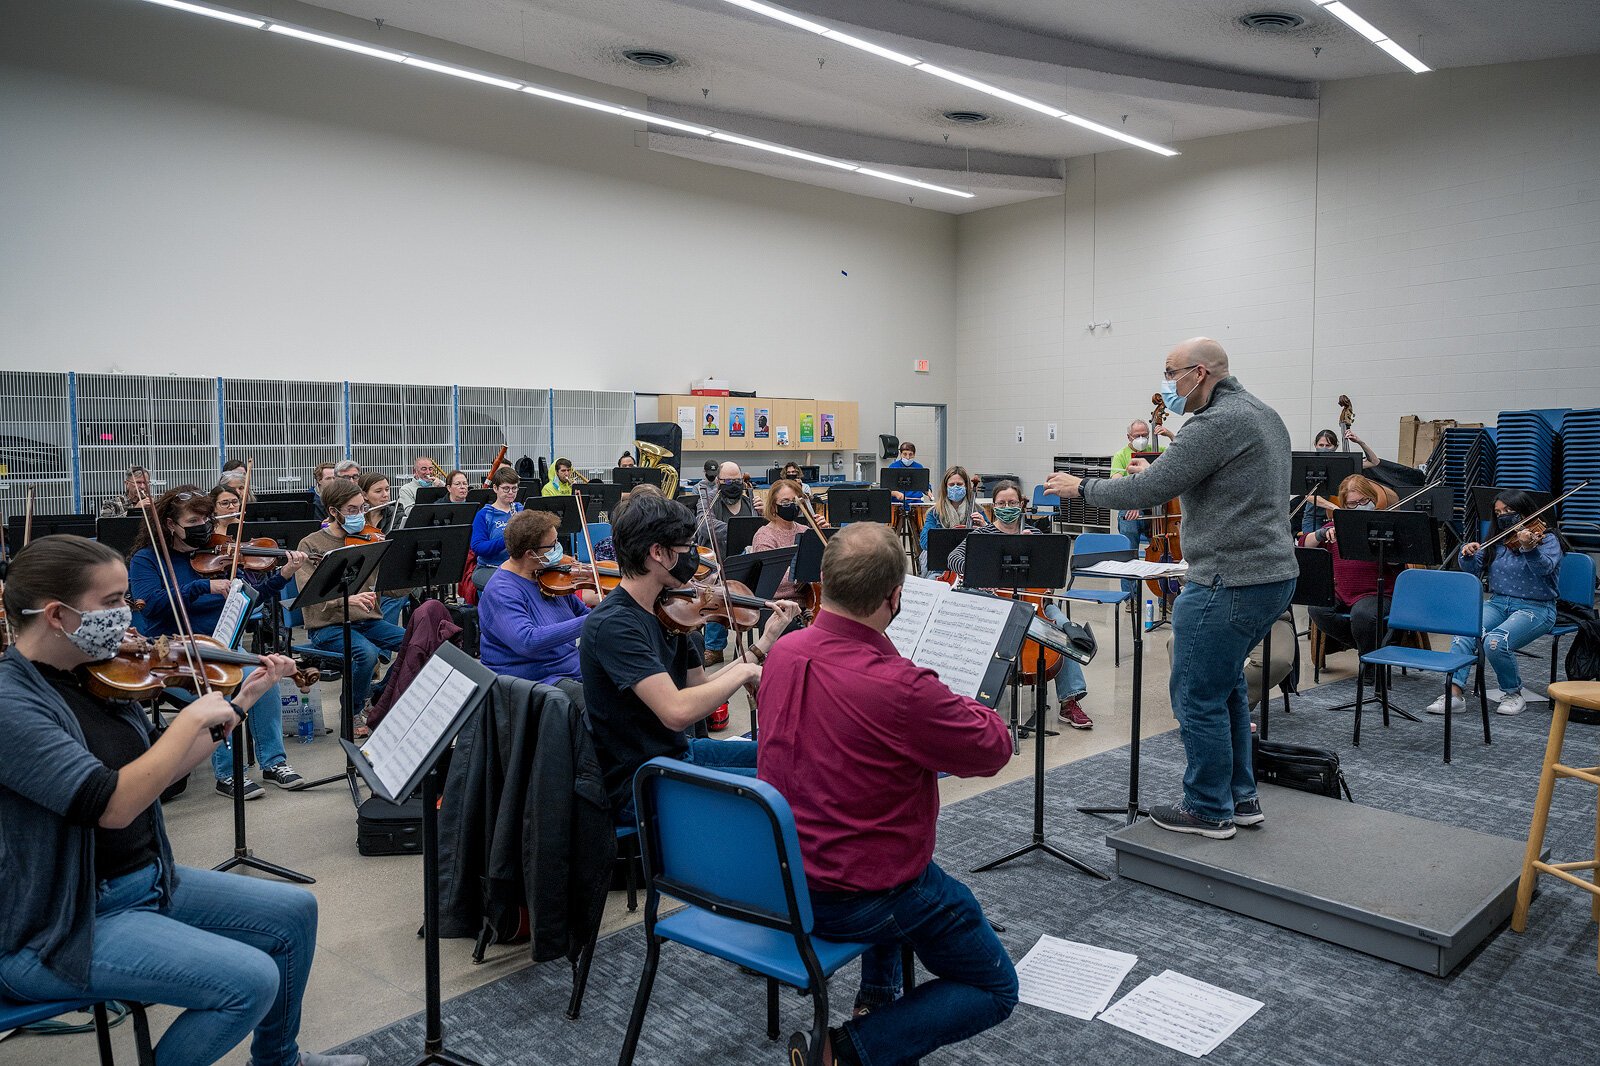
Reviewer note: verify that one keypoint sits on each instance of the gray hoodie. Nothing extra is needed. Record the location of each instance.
(1229, 469)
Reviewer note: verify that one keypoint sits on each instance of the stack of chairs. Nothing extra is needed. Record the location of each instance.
(1467, 457)
(1580, 462)
(1525, 449)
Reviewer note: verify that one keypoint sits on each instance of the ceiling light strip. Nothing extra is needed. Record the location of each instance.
(1345, 14)
(952, 76)
(348, 45)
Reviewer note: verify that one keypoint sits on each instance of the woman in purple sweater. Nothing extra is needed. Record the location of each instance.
(526, 632)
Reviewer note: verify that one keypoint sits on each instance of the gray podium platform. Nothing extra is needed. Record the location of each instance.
(1405, 889)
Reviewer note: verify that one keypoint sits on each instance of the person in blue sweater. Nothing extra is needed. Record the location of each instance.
(525, 631)
(184, 516)
(1522, 599)
(489, 527)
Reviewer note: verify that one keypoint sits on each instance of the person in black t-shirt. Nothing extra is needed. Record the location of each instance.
(644, 687)
(96, 909)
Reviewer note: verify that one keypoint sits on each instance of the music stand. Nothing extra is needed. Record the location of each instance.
(285, 496)
(904, 478)
(343, 572)
(808, 556)
(858, 505)
(629, 478)
(484, 497)
(599, 497)
(1319, 474)
(442, 514)
(941, 542)
(565, 510)
(742, 533)
(1017, 561)
(430, 558)
(434, 719)
(431, 494)
(288, 534)
(299, 510)
(1081, 562)
(45, 525)
(1388, 538)
(119, 533)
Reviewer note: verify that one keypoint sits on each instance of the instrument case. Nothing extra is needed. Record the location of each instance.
(384, 828)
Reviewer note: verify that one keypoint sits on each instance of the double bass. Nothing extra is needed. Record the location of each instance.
(1165, 544)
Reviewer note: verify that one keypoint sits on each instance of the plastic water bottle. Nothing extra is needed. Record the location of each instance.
(1149, 614)
(306, 723)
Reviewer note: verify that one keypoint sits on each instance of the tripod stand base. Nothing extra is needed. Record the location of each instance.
(250, 862)
(444, 1058)
(1048, 849)
(348, 776)
(1026, 728)
(1132, 814)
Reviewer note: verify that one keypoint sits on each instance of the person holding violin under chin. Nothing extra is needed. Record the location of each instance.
(644, 686)
(96, 908)
(525, 631)
(370, 632)
(184, 516)
(1521, 607)
(226, 508)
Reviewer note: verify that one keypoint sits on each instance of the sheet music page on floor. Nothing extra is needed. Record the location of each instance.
(411, 728)
(1181, 1013)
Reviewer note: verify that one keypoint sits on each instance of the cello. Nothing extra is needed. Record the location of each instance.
(1165, 545)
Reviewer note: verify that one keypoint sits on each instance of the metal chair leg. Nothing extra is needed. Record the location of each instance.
(772, 1009)
(1361, 699)
(819, 1023)
(641, 1002)
(141, 1035)
(580, 977)
(1483, 701)
(102, 1035)
(1449, 699)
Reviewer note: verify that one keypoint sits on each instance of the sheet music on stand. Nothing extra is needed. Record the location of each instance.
(421, 723)
(235, 613)
(969, 640)
(1135, 568)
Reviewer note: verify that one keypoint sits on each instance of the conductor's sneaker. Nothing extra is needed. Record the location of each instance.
(1512, 703)
(1179, 819)
(1073, 715)
(283, 775)
(1248, 812)
(252, 791)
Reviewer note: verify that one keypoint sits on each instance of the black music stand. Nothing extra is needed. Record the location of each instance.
(762, 572)
(629, 478)
(442, 514)
(566, 511)
(1319, 474)
(1081, 562)
(941, 542)
(45, 525)
(430, 558)
(285, 496)
(1017, 561)
(431, 494)
(808, 556)
(119, 533)
(742, 532)
(1314, 588)
(343, 572)
(299, 510)
(905, 479)
(599, 497)
(438, 722)
(858, 505)
(1390, 539)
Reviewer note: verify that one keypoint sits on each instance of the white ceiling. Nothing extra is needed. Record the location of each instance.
(1165, 70)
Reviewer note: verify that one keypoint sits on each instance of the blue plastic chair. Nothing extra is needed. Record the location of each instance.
(1046, 505)
(598, 531)
(744, 886)
(15, 1014)
(1431, 601)
(1574, 584)
(1094, 544)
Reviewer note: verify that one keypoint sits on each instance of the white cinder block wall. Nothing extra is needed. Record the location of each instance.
(1431, 247)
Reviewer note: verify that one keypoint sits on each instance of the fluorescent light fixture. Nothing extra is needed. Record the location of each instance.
(886, 176)
(1343, 12)
(211, 12)
(1415, 65)
(1149, 146)
(992, 90)
(793, 153)
(779, 14)
(579, 101)
(462, 72)
(670, 123)
(335, 42)
(868, 46)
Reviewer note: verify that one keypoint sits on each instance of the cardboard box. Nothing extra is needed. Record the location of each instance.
(1419, 438)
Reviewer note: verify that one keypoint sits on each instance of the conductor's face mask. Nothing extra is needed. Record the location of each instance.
(1174, 400)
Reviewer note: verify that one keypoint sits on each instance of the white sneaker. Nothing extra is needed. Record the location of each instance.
(1437, 706)
(1512, 704)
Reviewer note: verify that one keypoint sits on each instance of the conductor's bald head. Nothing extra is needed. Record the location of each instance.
(1196, 366)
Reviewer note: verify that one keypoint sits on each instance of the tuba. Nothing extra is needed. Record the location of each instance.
(654, 456)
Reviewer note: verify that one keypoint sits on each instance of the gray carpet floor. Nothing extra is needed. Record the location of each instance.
(1521, 998)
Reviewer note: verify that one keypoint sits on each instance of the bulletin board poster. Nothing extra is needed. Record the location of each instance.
(686, 420)
(783, 436)
(827, 428)
(711, 420)
(808, 429)
(736, 422)
(763, 423)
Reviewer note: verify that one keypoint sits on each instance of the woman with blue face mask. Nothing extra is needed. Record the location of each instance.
(524, 631)
(1356, 619)
(954, 507)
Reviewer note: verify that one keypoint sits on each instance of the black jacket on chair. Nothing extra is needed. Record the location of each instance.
(525, 822)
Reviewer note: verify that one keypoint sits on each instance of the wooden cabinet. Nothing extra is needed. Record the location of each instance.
(733, 412)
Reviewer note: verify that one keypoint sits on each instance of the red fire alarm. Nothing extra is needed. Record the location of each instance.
(920, 366)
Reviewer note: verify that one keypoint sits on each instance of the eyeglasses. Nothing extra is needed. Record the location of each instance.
(1174, 375)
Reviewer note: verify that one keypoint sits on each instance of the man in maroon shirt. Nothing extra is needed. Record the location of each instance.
(854, 735)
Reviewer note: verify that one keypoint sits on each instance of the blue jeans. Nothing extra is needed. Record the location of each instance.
(716, 636)
(1135, 531)
(729, 756)
(266, 728)
(366, 640)
(1070, 684)
(1213, 629)
(233, 952)
(974, 986)
(1508, 624)
(391, 608)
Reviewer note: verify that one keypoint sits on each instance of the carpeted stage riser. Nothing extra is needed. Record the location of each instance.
(1521, 998)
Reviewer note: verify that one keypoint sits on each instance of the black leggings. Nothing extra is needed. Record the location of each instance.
(1359, 628)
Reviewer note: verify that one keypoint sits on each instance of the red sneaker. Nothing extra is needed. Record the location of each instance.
(1073, 715)
(719, 719)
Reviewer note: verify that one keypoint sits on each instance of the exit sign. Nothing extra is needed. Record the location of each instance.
(920, 366)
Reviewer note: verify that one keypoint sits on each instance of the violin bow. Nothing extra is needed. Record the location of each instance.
(27, 518)
(169, 583)
(583, 520)
(238, 526)
(1504, 533)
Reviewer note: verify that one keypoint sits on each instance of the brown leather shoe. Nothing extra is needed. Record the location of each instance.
(713, 657)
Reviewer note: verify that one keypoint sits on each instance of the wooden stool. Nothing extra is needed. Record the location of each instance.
(1564, 695)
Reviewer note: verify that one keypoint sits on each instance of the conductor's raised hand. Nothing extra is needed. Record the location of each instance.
(1138, 466)
(1062, 485)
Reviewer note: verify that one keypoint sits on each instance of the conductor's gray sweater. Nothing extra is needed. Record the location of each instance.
(1229, 469)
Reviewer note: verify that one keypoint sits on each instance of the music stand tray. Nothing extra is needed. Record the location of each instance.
(119, 533)
(599, 497)
(742, 531)
(941, 542)
(442, 514)
(763, 572)
(287, 533)
(629, 478)
(427, 494)
(563, 508)
(1439, 500)
(904, 478)
(858, 505)
(299, 510)
(1392, 539)
(428, 557)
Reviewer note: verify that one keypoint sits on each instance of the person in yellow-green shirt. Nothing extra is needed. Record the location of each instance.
(1140, 439)
(561, 484)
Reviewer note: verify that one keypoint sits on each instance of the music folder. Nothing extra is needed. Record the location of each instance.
(969, 639)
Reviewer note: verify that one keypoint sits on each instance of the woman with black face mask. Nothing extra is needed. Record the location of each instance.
(785, 525)
(184, 516)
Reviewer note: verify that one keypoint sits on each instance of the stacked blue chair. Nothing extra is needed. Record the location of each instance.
(1580, 462)
(1466, 456)
(1525, 449)
(1574, 584)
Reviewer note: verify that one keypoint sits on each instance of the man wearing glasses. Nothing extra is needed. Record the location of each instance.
(734, 499)
(1230, 470)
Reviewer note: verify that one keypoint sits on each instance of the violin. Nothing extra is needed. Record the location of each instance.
(1165, 545)
(569, 576)
(142, 668)
(259, 554)
(367, 535)
(731, 603)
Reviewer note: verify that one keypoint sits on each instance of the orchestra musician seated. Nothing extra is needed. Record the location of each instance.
(644, 687)
(1139, 440)
(423, 473)
(135, 487)
(906, 461)
(348, 469)
(321, 474)
(1071, 687)
(226, 508)
(625, 460)
(855, 737)
(560, 484)
(1521, 607)
(457, 485)
(96, 907)
(785, 523)
(183, 516)
(1358, 616)
(489, 526)
(525, 631)
(955, 506)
